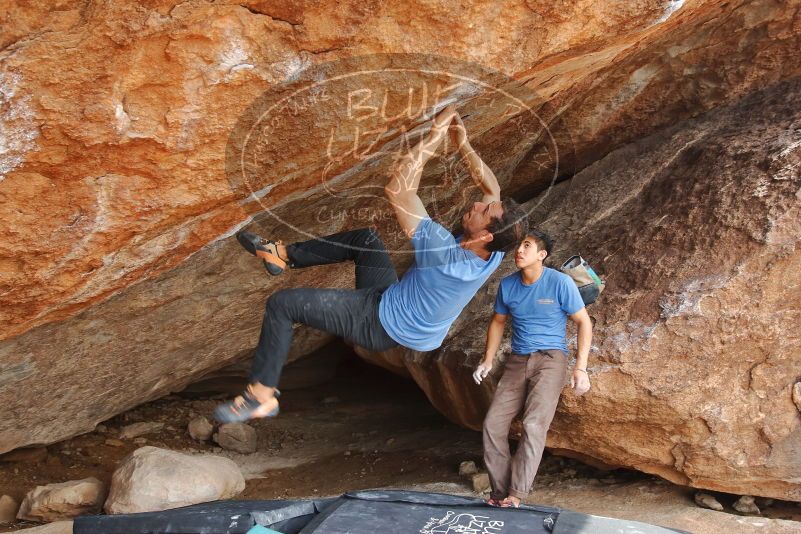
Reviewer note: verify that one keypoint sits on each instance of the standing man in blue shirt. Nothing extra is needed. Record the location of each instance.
(540, 300)
(384, 312)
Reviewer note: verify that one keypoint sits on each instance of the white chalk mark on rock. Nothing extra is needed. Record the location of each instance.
(672, 7)
(17, 129)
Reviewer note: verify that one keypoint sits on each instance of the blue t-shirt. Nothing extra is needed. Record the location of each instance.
(539, 311)
(418, 310)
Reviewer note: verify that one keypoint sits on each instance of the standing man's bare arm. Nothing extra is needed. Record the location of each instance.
(483, 176)
(580, 380)
(401, 190)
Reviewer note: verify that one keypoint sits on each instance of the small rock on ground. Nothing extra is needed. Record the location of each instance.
(200, 428)
(66, 500)
(481, 483)
(140, 429)
(746, 505)
(467, 469)
(8, 510)
(237, 437)
(705, 500)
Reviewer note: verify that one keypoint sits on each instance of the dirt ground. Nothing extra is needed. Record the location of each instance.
(370, 429)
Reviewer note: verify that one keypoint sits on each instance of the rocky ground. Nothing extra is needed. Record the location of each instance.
(369, 429)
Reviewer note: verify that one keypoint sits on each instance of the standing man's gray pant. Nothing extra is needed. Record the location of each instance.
(532, 383)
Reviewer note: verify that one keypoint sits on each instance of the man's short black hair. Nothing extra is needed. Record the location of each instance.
(543, 240)
(509, 229)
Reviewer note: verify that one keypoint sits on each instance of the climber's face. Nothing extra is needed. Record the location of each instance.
(477, 218)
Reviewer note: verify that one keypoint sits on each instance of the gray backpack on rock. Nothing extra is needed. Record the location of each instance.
(589, 284)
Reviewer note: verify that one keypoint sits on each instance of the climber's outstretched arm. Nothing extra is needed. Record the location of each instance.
(483, 176)
(401, 190)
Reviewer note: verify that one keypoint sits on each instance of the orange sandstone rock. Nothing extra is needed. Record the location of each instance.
(119, 279)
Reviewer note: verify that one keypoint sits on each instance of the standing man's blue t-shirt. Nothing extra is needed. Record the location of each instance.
(418, 310)
(539, 311)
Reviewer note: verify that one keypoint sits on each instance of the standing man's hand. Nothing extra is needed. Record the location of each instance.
(580, 382)
(482, 371)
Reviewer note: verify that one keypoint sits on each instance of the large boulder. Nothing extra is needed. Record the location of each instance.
(119, 274)
(695, 358)
(152, 479)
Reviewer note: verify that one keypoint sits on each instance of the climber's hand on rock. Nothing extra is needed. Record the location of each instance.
(444, 117)
(457, 131)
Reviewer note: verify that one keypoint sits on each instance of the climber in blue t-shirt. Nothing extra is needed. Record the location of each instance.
(384, 312)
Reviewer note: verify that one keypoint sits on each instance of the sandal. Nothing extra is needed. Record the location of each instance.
(501, 503)
(252, 242)
(238, 412)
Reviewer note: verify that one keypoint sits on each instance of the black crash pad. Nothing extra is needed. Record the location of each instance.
(362, 512)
